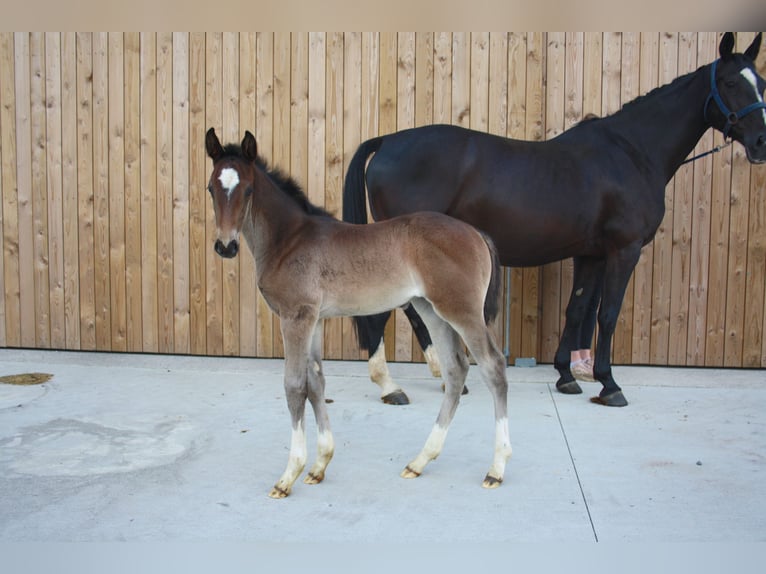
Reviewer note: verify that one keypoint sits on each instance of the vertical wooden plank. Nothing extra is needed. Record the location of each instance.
(424, 79)
(149, 261)
(180, 61)
(335, 126)
(682, 217)
(629, 85)
(700, 239)
(387, 124)
(230, 133)
(133, 238)
(116, 201)
(461, 79)
(663, 240)
(265, 113)
(214, 266)
(359, 127)
(752, 348)
(70, 240)
(54, 189)
(166, 327)
(534, 130)
(405, 118)
(554, 103)
(642, 293)
(101, 190)
(573, 113)
(498, 124)
(3, 340)
(11, 288)
(85, 196)
(248, 290)
(442, 78)
(199, 200)
(517, 90)
(24, 192)
(39, 181)
(479, 81)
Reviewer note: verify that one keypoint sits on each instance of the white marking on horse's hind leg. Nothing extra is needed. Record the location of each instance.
(433, 361)
(503, 452)
(748, 74)
(325, 451)
(431, 450)
(296, 462)
(379, 372)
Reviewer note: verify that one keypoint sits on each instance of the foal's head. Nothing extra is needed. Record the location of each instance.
(735, 105)
(231, 187)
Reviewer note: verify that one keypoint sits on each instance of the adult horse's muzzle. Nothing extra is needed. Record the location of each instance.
(227, 251)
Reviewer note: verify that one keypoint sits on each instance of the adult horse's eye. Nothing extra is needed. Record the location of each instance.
(730, 83)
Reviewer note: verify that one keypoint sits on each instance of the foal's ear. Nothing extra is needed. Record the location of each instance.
(726, 47)
(212, 145)
(752, 50)
(249, 147)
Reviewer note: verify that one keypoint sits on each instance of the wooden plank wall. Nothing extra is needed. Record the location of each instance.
(107, 228)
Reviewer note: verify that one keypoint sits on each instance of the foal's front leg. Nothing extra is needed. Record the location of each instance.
(316, 386)
(296, 336)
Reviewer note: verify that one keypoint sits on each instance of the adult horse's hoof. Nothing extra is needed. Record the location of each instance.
(568, 387)
(396, 398)
(614, 400)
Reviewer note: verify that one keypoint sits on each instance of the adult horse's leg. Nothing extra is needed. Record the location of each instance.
(424, 340)
(316, 386)
(296, 335)
(587, 281)
(617, 273)
(369, 330)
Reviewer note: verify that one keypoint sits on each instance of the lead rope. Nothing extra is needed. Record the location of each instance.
(716, 149)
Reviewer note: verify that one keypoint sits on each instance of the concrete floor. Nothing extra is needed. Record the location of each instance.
(157, 448)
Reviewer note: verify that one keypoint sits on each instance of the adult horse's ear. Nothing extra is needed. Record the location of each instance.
(726, 47)
(249, 147)
(754, 48)
(212, 145)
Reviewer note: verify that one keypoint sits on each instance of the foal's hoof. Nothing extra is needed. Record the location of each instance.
(396, 398)
(409, 473)
(491, 482)
(312, 478)
(277, 492)
(616, 399)
(568, 387)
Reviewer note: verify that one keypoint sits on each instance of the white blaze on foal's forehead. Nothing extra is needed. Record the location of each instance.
(229, 179)
(748, 74)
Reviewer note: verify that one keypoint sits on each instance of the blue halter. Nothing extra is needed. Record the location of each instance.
(731, 117)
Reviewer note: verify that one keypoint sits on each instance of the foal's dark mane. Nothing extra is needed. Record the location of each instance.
(287, 184)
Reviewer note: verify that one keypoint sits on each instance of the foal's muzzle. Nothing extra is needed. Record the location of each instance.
(227, 251)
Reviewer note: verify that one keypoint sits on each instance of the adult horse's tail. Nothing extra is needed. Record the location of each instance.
(354, 196)
(369, 329)
(491, 301)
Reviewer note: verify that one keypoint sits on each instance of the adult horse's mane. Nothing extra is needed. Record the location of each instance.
(287, 184)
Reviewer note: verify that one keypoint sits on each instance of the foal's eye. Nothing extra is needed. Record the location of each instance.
(210, 189)
(248, 191)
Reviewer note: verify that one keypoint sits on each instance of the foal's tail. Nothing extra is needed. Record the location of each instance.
(354, 197)
(491, 305)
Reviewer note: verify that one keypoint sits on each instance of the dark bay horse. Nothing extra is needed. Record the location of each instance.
(595, 193)
(310, 266)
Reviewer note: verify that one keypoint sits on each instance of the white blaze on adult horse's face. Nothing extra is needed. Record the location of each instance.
(748, 74)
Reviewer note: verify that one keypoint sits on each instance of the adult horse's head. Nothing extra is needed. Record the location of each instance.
(735, 104)
(231, 187)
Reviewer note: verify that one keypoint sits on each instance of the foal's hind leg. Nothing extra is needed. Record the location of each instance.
(454, 370)
(316, 386)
